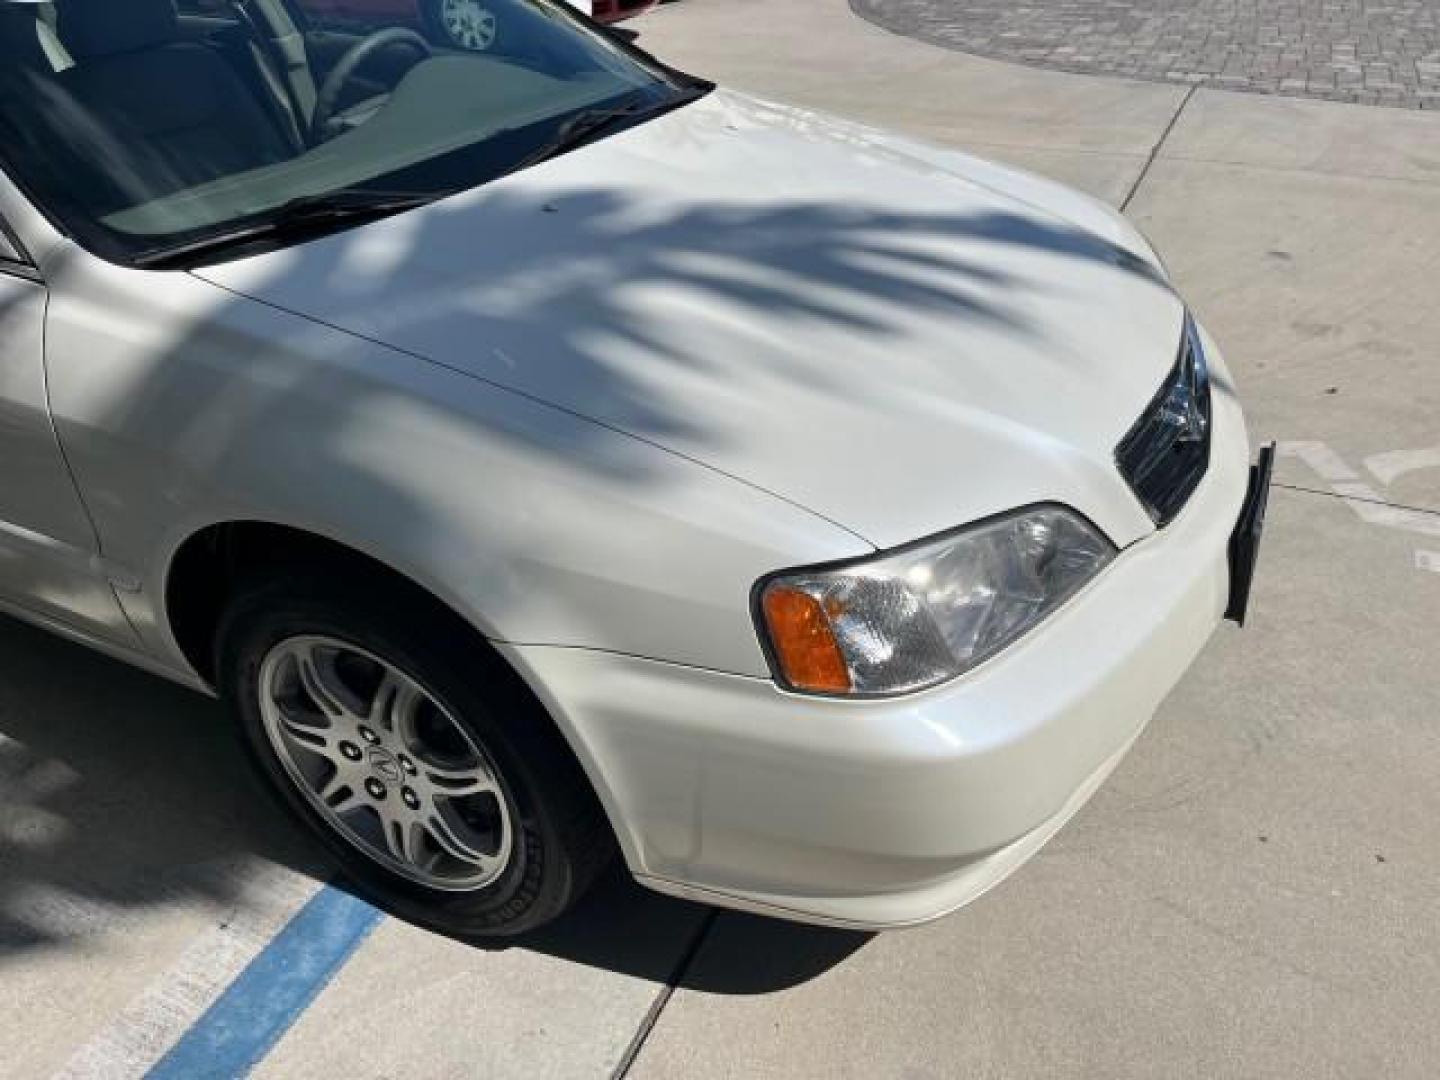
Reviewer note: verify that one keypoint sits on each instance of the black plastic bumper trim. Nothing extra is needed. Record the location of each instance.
(1245, 540)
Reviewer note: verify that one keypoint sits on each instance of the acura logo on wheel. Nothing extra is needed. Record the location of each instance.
(384, 765)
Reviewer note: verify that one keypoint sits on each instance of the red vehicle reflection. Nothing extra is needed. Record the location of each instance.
(615, 10)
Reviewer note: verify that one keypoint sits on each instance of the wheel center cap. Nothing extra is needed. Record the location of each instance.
(384, 765)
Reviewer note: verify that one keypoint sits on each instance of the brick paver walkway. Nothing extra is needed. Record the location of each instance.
(1366, 51)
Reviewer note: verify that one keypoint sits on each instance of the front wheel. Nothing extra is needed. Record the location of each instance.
(471, 25)
(413, 753)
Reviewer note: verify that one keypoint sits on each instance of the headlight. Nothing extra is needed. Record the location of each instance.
(915, 617)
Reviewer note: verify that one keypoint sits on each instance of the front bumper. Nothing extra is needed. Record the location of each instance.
(887, 813)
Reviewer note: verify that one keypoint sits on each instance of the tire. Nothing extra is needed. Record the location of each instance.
(476, 31)
(478, 712)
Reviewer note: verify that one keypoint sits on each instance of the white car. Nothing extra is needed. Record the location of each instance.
(542, 451)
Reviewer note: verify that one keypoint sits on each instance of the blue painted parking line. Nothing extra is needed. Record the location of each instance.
(266, 998)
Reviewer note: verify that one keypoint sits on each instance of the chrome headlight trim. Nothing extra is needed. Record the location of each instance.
(914, 617)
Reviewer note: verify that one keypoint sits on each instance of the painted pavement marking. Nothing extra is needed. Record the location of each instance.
(267, 898)
(266, 999)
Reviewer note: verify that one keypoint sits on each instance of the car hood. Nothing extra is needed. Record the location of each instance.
(899, 338)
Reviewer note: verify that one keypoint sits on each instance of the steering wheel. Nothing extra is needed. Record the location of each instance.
(340, 76)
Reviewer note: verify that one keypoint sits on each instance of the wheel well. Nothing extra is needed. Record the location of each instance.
(208, 566)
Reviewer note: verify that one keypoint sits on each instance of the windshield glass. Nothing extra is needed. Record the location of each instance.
(147, 128)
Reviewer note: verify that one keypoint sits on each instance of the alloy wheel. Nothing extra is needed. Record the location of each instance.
(468, 24)
(384, 764)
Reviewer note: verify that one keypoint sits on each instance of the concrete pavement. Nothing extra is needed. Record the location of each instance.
(1252, 894)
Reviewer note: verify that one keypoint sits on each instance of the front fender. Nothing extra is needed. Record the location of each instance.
(182, 405)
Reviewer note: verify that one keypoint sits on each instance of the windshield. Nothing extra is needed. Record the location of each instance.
(151, 128)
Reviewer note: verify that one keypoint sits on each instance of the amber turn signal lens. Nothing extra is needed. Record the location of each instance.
(809, 655)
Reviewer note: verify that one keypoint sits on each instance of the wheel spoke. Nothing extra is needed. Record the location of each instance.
(312, 679)
(402, 836)
(341, 793)
(448, 838)
(393, 702)
(455, 783)
(311, 736)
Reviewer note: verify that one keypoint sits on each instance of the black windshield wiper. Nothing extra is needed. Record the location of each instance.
(581, 127)
(298, 219)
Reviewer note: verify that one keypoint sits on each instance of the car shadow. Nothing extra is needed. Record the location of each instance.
(121, 793)
(622, 926)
